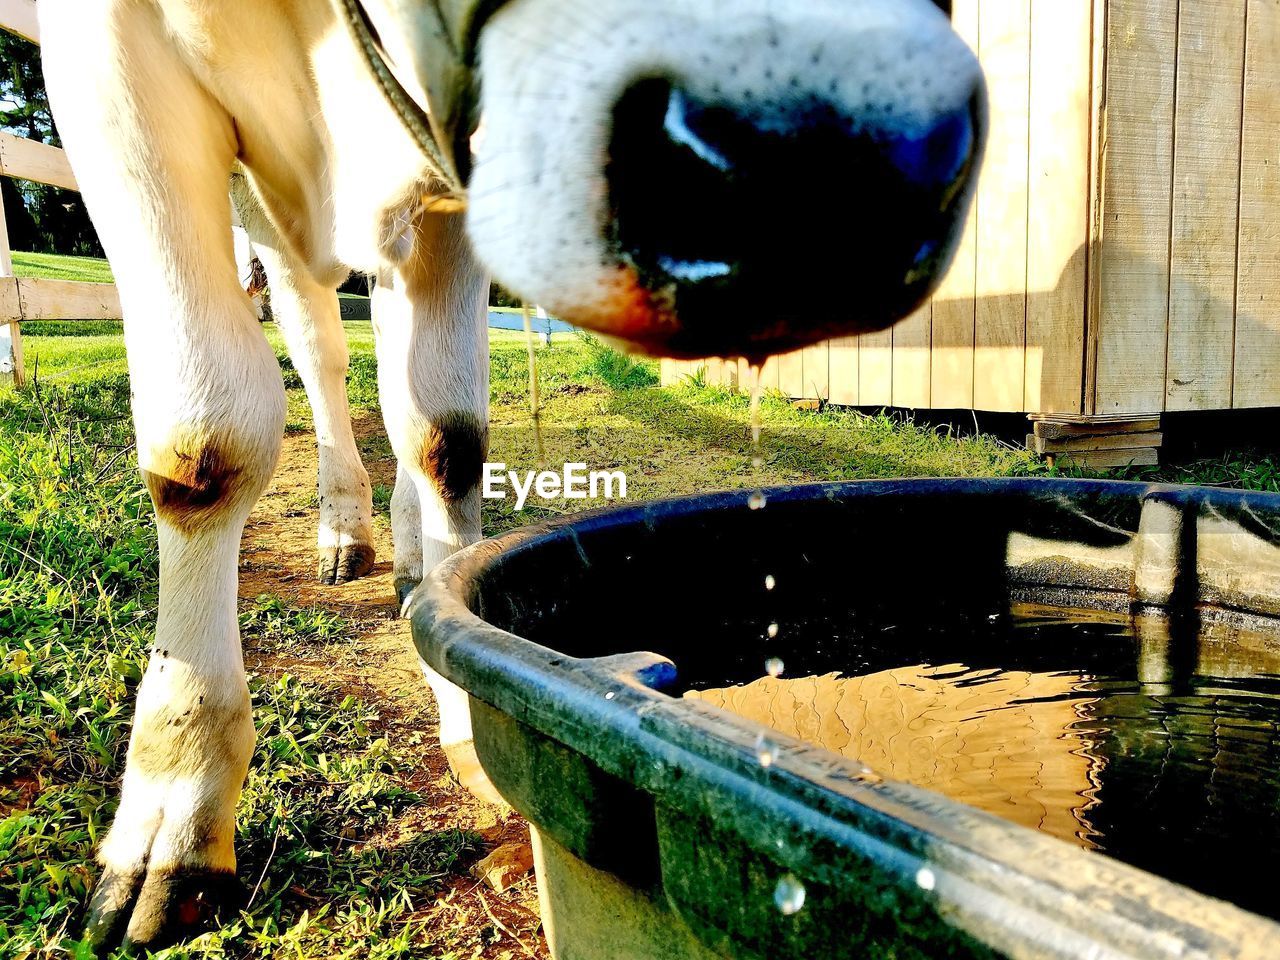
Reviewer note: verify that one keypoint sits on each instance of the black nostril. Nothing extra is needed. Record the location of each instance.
(669, 155)
(709, 200)
(936, 156)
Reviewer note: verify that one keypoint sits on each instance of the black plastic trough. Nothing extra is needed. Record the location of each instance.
(660, 834)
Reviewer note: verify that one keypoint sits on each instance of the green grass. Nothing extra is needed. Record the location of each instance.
(78, 574)
(77, 605)
(50, 266)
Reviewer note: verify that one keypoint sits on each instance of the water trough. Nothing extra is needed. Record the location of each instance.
(613, 661)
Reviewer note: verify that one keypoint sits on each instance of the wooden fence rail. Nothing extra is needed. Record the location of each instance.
(24, 298)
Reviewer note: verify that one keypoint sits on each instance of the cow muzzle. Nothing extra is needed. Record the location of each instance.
(698, 179)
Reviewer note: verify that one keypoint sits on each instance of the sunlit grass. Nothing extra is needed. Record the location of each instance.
(78, 575)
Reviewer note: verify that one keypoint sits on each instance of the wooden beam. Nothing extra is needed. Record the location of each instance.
(1118, 441)
(31, 160)
(1107, 459)
(1076, 428)
(19, 16)
(68, 300)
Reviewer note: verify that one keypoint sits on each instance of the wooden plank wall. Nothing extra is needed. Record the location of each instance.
(1123, 256)
(1186, 316)
(1005, 330)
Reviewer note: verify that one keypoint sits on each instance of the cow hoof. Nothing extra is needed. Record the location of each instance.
(466, 767)
(344, 564)
(404, 589)
(159, 909)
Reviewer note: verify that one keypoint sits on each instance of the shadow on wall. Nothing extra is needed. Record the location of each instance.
(1152, 342)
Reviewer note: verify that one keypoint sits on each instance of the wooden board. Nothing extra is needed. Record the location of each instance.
(1137, 172)
(791, 373)
(1257, 333)
(843, 371)
(817, 371)
(31, 160)
(1206, 194)
(68, 300)
(1117, 441)
(1058, 191)
(1109, 459)
(770, 375)
(912, 339)
(1069, 430)
(875, 369)
(951, 366)
(19, 16)
(1001, 308)
(729, 372)
(1097, 158)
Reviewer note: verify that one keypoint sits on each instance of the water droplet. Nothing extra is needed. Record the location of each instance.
(774, 666)
(769, 582)
(925, 879)
(766, 751)
(757, 500)
(773, 630)
(610, 695)
(788, 895)
(993, 617)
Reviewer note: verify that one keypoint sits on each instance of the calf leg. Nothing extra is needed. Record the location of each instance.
(311, 322)
(433, 380)
(153, 151)
(406, 531)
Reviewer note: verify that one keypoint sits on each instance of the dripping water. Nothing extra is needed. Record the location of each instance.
(535, 403)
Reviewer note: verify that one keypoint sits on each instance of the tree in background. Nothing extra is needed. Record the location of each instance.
(41, 218)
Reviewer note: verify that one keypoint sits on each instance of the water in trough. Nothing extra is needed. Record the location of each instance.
(1047, 722)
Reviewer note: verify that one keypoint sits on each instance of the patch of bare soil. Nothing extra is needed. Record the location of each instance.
(380, 666)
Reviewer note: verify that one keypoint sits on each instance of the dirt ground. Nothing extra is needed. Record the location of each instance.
(381, 667)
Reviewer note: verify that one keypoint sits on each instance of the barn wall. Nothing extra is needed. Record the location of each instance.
(1123, 252)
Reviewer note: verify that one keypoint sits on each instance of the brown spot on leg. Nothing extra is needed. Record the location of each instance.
(453, 452)
(189, 740)
(192, 484)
